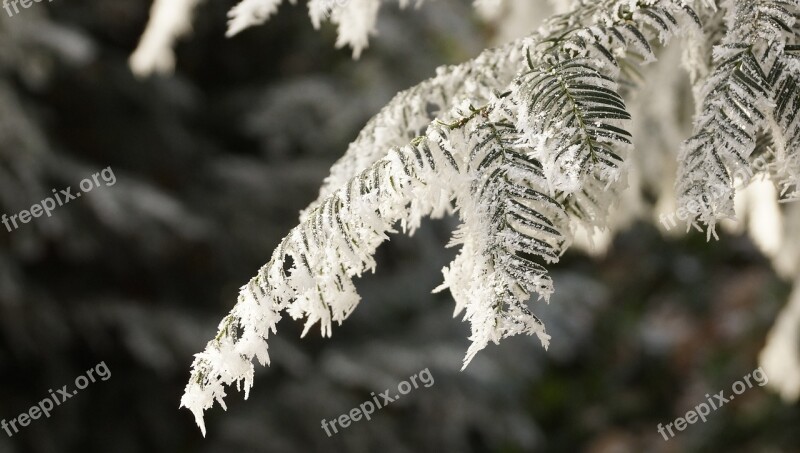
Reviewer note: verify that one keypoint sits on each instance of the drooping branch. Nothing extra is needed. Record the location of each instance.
(735, 106)
(324, 253)
(521, 165)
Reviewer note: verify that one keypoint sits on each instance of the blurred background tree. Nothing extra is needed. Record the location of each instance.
(214, 161)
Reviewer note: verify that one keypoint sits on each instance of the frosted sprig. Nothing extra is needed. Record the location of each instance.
(526, 143)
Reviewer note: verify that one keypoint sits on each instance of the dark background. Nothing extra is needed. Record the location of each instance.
(213, 165)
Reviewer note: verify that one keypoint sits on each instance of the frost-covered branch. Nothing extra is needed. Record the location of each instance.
(325, 252)
(521, 168)
(738, 102)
